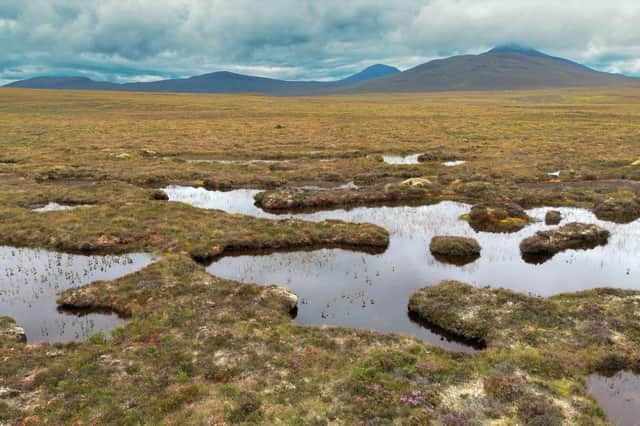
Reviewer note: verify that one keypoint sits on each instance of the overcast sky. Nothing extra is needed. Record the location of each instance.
(141, 40)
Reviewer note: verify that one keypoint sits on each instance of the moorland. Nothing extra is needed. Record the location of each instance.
(206, 350)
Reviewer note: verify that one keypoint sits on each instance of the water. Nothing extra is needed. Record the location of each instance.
(31, 280)
(619, 396)
(55, 207)
(396, 159)
(341, 287)
(453, 163)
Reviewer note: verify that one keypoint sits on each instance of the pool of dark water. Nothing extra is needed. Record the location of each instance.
(31, 280)
(619, 396)
(347, 288)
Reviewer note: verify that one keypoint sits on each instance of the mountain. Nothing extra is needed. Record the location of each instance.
(63, 83)
(374, 71)
(217, 82)
(228, 82)
(509, 67)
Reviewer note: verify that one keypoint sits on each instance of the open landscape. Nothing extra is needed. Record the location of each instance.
(242, 259)
(326, 213)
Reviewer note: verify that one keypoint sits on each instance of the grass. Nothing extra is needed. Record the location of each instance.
(80, 134)
(124, 218)
(203, 350)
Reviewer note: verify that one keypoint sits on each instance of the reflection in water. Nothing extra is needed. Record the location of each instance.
(355, 289)
(619, 396)
(395, 159)
(30, 281)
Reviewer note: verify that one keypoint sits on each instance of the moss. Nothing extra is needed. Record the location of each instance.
(456, 250)
(10, 334)
(572, 236)
(198, 347)
(561, 324)
(201, 350)
(498, 217)
(620, 210)
(124, 226)
(305, 199)
(552, 217)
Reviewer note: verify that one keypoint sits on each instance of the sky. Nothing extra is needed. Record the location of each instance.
(144, 40)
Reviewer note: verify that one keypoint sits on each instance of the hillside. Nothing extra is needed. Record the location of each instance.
(217, 82)
(370, 73)
(502, 68)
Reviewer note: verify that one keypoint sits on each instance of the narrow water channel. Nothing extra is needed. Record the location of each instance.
(31, 280)
(347, 288)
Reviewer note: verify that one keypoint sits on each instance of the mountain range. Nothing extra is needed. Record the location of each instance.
(509, 67)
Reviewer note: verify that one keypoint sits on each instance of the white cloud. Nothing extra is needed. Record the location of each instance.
(141, 39)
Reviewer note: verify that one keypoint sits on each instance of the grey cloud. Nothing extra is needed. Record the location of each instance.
(295, 39)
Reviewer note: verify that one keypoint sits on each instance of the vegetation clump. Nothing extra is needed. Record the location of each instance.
(158, 195)
(579, 325)
(10, 333)
(573, 236)
(457, 250)
(504, 217)
(300, 199)
(122, 219)
(435, 155)
(553, 217)
(619, 210)
(417, 182)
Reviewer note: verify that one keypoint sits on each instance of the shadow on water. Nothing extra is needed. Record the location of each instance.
(618, 395)
(83, 312)
(447, 336)
(31, 280)
(347, 288)
(539, 259)
(456, 260)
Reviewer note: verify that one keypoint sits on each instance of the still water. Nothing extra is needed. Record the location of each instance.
(31, 280)
(348, 288)
(619, 396)
(397, 159)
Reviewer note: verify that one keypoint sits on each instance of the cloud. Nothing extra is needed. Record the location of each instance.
(299, 39)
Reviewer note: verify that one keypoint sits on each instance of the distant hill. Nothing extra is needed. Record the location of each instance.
(228, 82)
(217, 82)
(370, 73)
(63, 83)
(508, 67)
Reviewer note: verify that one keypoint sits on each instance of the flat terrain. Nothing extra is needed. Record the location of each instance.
(206, 350)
